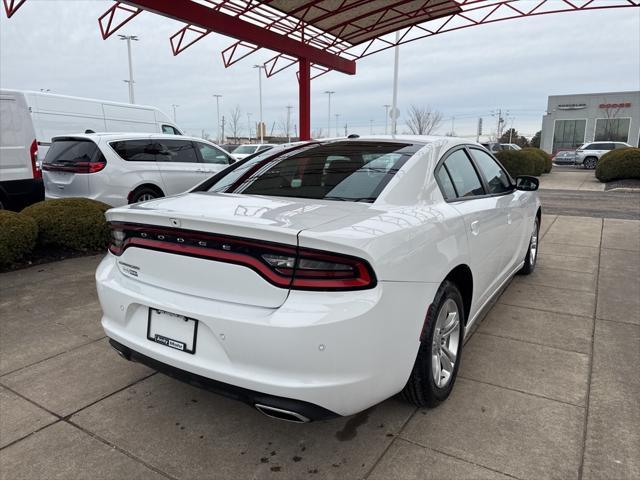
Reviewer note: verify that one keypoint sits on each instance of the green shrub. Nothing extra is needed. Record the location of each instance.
(74, 223)
(17, 236)
(546, 158)
(619, 164)
(517, 162)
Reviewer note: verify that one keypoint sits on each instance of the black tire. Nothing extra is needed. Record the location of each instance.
(590, 163)
(144, 194)
(421, 389)
(529, 265)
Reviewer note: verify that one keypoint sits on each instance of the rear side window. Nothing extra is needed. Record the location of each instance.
(463, 175)
(177, 151)
(135, 150)
(446, 185)
(348, 171)
(72, 153)
(496, 178)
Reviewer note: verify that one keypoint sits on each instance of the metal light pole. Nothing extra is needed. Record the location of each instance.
(386, 118)
(329, 93)
(174, 111)
(129, 38)
(217, 97)
(260, 68)
(394, 103)
(249, 124)
(289, 107)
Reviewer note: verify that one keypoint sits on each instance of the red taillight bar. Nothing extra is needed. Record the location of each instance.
(352, 273)
(78, 167)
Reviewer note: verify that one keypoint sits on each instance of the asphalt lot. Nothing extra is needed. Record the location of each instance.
(548, 387)
(576, 191)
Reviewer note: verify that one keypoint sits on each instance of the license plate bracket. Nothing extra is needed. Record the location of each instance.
(172, 330)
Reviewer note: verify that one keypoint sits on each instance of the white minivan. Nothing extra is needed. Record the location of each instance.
(31, 119)
(121, 168)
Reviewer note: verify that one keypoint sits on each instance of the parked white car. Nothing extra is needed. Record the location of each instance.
(510, 146)
(118, 169)
(588, 154)
(320, 279)
(243, 151)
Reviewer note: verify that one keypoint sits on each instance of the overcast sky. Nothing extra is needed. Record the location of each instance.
(513, 65)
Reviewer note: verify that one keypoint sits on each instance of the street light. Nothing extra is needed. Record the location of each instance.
(218, 97)
(174, 111)
(329, 93)
(249, 124)
(260, 68)
(129, 38)
(386, 118)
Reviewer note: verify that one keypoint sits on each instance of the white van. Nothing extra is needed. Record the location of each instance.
(20, 175)
(36, 116)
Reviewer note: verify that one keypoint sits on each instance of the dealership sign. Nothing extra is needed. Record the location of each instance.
(616, 105)
(572, 106)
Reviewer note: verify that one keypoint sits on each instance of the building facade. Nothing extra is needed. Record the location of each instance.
(572, 120)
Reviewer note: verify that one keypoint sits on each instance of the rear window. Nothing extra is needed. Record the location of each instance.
(69, 152)
(348, 171)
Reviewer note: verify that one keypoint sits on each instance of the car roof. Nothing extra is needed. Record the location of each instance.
(414, 139)
(109, 136)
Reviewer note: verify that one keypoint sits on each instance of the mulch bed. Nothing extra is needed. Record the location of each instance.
(43, 255)
(627, 183)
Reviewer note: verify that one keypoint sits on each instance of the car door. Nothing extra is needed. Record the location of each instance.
(213, 158)
(512, 206)
(484, 220)
(179, 165)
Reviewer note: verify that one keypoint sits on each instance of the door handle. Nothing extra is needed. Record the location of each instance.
(474, 227)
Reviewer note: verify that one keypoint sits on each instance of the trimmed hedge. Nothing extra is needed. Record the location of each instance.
(18, 235)
(619, 164)
(74, 223)
(546, 158)
(518, 162)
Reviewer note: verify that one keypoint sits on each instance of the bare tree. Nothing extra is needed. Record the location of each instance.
(234, 121)
(611, 111)
(423, 120)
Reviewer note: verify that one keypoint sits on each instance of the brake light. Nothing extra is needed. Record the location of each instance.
(77, 167)
(281, 265)
(33, 152)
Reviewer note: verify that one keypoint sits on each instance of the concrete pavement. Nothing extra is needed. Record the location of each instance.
(548, 388)
(571, 178)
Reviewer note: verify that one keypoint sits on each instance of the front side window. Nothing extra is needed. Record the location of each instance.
(463, 175)
(135, 150)
(496, 178)
(176, 151)
(348, 171)
(168, 129)
(245, 149)
(211, 154)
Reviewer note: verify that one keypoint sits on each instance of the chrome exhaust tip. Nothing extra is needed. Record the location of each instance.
(281, 414)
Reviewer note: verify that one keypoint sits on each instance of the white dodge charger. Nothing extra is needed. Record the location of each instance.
(319, 279)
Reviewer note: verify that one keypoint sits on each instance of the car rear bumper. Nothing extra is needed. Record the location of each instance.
(340, 351)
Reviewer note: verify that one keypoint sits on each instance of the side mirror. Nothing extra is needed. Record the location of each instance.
(527, 183)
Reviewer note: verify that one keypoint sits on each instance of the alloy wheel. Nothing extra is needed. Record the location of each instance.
(146, 196)
(446, 339)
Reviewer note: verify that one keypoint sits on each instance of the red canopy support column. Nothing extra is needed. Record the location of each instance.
(304, 99)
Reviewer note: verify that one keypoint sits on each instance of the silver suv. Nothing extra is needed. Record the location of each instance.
(588, 154)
